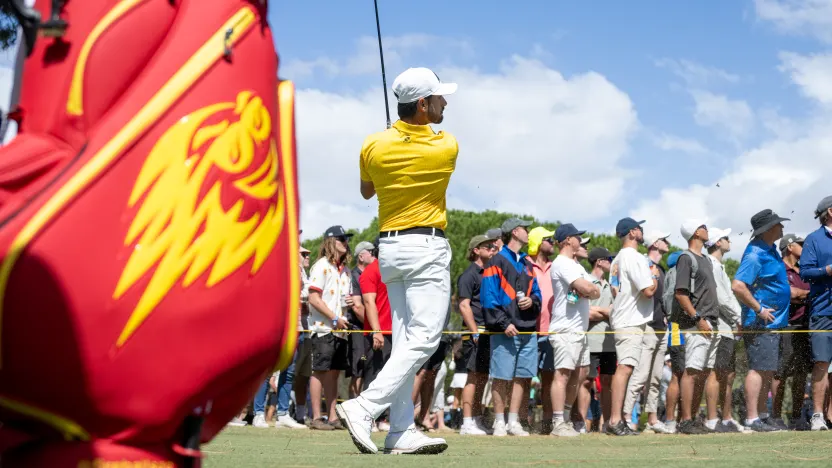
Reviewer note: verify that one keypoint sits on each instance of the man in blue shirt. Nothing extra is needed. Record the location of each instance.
(816, 269)
(762, 286)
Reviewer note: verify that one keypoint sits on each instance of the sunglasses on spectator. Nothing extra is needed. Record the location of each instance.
(488, 246)
(305, 254)
(342, 239)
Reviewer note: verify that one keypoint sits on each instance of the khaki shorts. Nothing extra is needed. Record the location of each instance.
(701, 351)
(628, 344)
(570, 350)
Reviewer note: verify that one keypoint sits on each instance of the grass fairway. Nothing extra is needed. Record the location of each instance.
(239, 447)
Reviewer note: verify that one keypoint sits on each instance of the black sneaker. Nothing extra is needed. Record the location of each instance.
(723, 428)
(776, 422)
(704, 427)
(689, 427)
(620, 429)
(759, 426)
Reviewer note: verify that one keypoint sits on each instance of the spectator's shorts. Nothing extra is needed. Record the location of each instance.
(329, 353)
(459, 380)
(700, 350)
(604, 363)
(763, 351)
(795, 353)
(677, 359)
(629, 343)
(303, 356)
(513, 357)
(434, 363)
(821, 342)
(357, 354)
(571, 350)
(376, 359)
(477, 356)
(726, 355)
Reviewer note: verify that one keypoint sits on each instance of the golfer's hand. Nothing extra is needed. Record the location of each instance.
(524, 303)
(342, 324)
(766, 314)
(705, 327)
(511, 330)
(378, 341)
(350, 301)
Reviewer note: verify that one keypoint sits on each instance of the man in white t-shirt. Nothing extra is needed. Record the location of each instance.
(632, 310)
(572, 289)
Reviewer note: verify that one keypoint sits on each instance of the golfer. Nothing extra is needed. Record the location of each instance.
(408, 166)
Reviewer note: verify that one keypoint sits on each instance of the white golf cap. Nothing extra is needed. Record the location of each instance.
(654, 236)
(715, 234)
(417, 83)
(689, 228)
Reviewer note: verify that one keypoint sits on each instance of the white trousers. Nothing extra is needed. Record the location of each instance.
(417, 271)
(648, 372)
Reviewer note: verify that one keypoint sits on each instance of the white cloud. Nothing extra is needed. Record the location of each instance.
(812, 74)
(537, 129)
(801, 17)
(365, 58)
(675, 143)
(727, 116)
(696, 74)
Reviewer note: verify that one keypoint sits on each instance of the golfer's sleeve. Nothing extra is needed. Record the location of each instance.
(365, 150)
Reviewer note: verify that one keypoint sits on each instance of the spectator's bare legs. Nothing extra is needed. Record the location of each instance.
(726, 395)
(619, 390)
(325, 382)
(546, 380)
(520, 398)
(301, 387)
(472, 394)
(756, 383)
(606, 398)
(820, 384)
(582, 401)
(426, 393)
(672, 398)
(499, 395)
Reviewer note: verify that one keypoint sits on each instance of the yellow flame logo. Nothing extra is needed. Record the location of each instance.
(185, 228)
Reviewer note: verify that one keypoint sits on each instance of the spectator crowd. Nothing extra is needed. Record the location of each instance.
(549, 347)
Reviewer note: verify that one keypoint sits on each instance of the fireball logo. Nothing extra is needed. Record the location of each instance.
(184, 224)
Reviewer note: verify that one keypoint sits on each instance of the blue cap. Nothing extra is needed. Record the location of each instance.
(626, 225)
(566, 230)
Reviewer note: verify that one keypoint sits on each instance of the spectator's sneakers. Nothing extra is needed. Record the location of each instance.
(237, 422)
(579, 426)
(690, 427)
(799, 425)
(546, 427)
(703, 426)
(500, 429)
(760, 426)
(818, 423)
(659, 428)
(471, 429)
(259, 421)
(564, 429)
(287, 422)
(320, 425)
(337, 425)
(777, 422)
(482, 426)
(516, 429)
(671, 426)
(413, 442)
(359, 423)
(620, 429)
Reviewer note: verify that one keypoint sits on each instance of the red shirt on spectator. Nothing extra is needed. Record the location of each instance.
(797, 310)
(370, 282)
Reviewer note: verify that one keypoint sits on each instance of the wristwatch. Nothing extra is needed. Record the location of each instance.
(697, 317)
(335, 322)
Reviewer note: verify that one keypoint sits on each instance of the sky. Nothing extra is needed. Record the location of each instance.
(581, 112)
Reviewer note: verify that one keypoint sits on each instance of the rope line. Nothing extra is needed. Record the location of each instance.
(629, 332)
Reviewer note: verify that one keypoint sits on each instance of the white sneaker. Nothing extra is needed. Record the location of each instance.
(237, 422)
(384, 426)
(658, 428)
(259, 421)
(359, 423)
(413, 442)
(516, 429)
(472, 429)
(500, 429)
(288, 422)
(481, 425)
(564, 429)
(818, 423)
(580, 427)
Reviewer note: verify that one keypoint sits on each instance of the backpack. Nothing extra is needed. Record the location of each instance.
(671, 305)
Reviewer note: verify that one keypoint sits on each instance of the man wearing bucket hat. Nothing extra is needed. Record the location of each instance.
(816, 269)
(762, 286)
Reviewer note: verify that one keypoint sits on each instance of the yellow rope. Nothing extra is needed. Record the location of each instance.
(629, 332)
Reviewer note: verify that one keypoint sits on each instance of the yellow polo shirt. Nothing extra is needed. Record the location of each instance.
(410, 167)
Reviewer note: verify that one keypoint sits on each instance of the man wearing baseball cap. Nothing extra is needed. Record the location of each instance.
(795, 347)
(721, 381)
(632, 311)
(476, 348)
(816, 269)
(409, 167)
(762, 286)
(511, 304)
(602, 359)
(648, 373)
(355, 315)
(541, 247)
